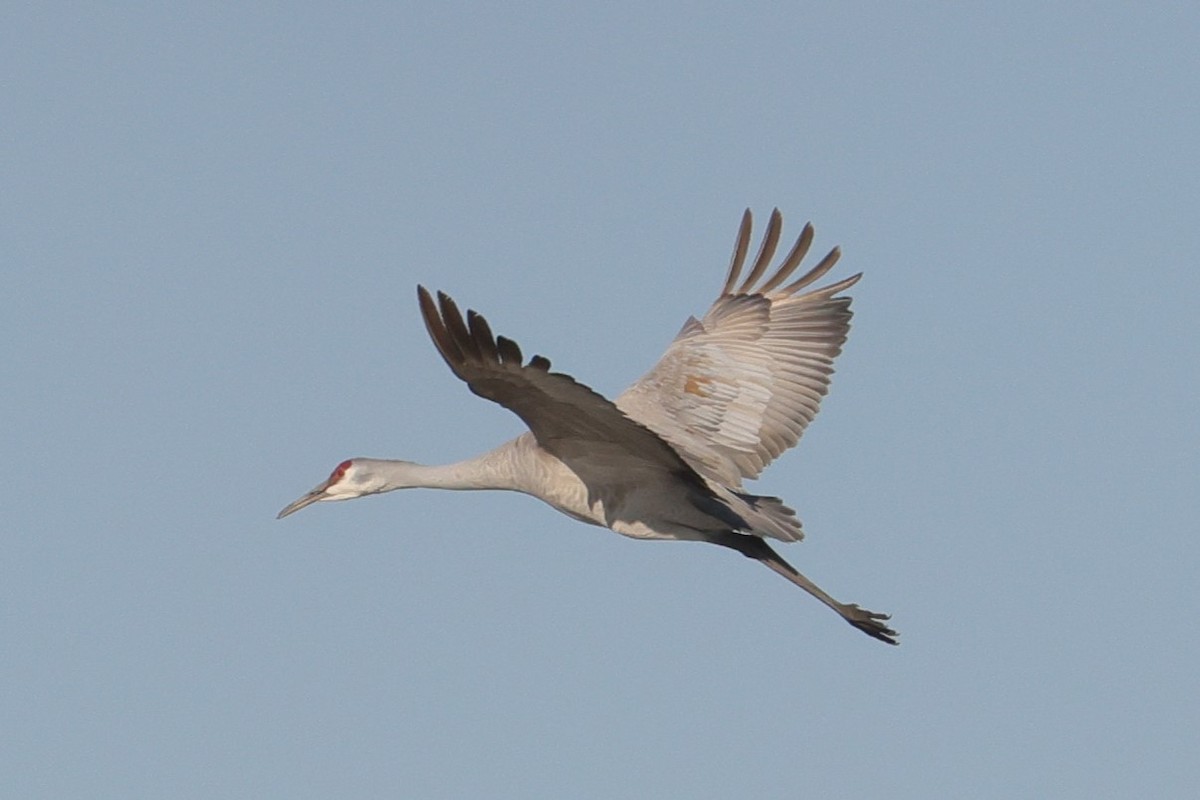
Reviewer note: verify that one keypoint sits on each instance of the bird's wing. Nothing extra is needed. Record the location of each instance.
(738, 387)
(567, 418)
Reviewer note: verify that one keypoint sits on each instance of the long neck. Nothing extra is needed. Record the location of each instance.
(491, 470)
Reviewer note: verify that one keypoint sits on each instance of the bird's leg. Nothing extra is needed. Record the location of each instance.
(869, 622)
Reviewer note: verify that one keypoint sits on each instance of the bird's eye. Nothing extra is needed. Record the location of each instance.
(339, 472)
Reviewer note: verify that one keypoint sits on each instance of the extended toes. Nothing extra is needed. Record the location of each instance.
(869, 622)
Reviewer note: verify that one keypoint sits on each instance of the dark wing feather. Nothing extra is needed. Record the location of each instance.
(566, 417)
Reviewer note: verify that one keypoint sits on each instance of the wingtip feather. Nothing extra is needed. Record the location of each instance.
(740, 246)
(766, 252)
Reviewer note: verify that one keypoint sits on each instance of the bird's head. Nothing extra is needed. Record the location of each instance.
(350, 479)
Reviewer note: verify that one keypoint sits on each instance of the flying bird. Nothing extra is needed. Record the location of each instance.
(667, 458)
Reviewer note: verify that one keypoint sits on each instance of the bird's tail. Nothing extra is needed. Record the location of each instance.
(767, 516)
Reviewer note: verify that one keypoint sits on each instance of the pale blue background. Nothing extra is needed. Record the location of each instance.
(213, 219)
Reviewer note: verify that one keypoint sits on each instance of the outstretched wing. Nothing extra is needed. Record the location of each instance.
(567, 418)
(737, 388)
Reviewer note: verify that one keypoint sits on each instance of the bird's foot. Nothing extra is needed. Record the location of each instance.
(870, 623)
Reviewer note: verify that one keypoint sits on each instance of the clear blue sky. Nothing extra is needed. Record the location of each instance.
(212, 222)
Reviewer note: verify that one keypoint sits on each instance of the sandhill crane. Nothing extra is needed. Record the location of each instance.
(667, 458)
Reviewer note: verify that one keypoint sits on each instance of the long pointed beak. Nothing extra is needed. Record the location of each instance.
(308, 499)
